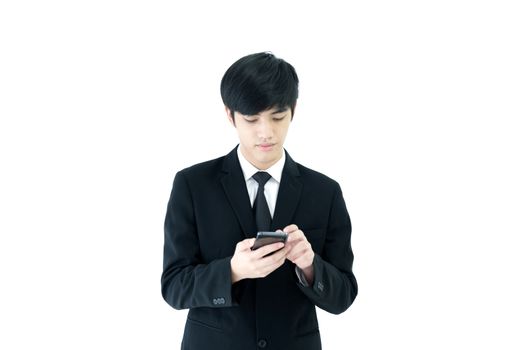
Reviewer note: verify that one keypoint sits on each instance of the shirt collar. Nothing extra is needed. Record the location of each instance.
(249, 170)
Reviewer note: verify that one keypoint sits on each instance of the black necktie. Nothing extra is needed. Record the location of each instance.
(260, 207)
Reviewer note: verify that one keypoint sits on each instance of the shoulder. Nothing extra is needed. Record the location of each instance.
(317, 179)
(213, 167)
(211, 171)
(202, 176)
(310, 175)
(319, 189)
(204, 169)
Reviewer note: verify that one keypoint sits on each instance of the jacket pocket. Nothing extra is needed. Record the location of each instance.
(204, 325)
(202, 336)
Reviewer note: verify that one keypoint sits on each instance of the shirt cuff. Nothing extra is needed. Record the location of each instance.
(301, 277)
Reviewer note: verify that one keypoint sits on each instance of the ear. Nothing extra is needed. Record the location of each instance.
(230, 116)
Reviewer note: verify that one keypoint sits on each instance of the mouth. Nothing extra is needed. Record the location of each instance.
(266, 146)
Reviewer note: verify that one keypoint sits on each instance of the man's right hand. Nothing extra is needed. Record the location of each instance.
(247, 263)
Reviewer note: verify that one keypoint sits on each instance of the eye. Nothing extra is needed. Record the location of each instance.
(250, 120)
(280, 117)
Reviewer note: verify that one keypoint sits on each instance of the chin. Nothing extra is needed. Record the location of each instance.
(267, 160)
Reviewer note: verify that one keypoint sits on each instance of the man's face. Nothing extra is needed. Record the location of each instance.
(262, 135)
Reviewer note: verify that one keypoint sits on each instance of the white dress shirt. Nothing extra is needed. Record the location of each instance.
(272, 185)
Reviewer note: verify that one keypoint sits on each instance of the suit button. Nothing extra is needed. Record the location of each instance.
(262, 343)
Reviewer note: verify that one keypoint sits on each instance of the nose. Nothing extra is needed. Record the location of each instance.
(265, 128)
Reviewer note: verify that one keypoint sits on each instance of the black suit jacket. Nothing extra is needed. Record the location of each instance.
(208, 213)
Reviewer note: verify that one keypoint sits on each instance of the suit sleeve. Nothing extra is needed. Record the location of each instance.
(334, 287)
(186, 281)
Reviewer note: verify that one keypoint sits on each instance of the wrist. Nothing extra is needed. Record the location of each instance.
(309, 274)
(235, 276)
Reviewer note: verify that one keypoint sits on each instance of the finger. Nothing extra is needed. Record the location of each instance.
(272, 262)
(291, 244)
(295, 255)
(268, 264)
(246, 244)
(290, 228)
(304, 260)
(267, 249)
(298, 250)
(276, 256)
(296, 235)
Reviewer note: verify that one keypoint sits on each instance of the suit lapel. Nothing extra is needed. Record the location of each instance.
(288, 195)
(234, 186)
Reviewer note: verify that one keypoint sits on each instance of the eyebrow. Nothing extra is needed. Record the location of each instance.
(280, 110)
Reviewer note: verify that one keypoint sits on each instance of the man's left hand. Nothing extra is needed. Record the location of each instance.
(300, 251)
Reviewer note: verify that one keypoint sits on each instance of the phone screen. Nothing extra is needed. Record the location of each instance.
(265, 238)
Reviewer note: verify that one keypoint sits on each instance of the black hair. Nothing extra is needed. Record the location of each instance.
(258, 82)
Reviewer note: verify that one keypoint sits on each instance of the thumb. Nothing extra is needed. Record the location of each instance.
(247, 243)
(290, 228)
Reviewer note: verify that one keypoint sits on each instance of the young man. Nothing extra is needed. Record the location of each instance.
(265, 298)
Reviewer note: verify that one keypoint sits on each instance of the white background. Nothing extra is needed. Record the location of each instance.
(414, 107)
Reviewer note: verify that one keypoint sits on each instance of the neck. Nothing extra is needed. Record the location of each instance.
(262, 165)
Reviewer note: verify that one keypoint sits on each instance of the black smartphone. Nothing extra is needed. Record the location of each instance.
(265, 238)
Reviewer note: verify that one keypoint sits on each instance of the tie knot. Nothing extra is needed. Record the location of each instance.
(261, 177)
